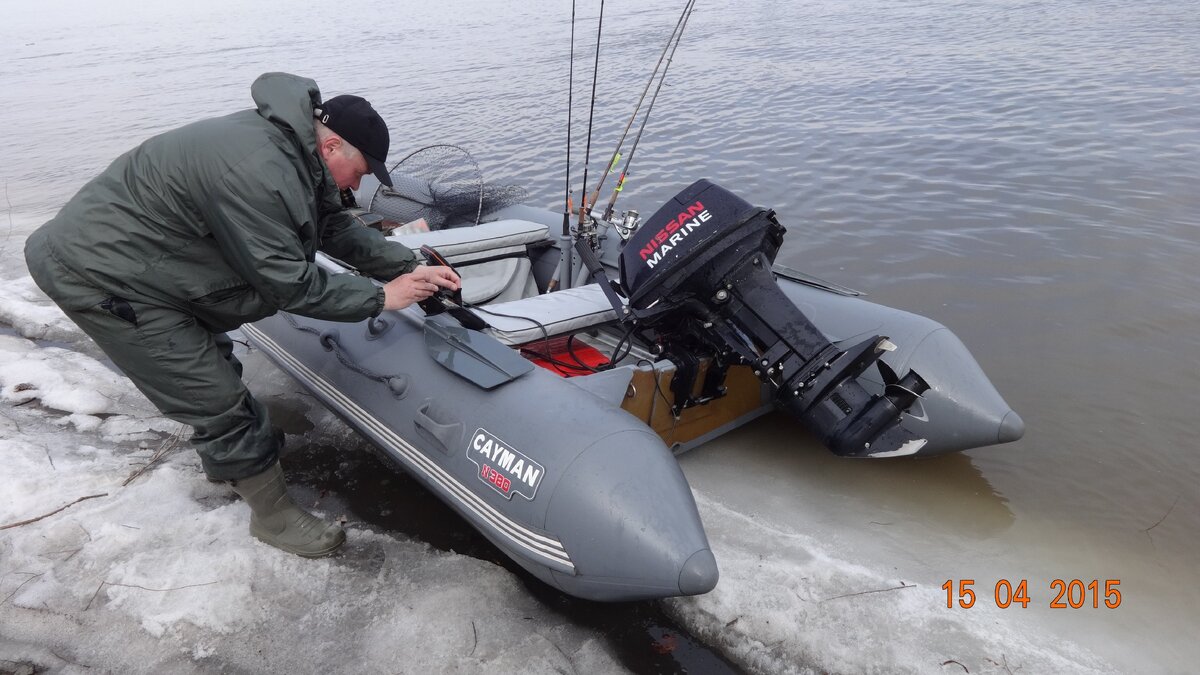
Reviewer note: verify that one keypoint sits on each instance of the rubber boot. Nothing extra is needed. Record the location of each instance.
(276, 520)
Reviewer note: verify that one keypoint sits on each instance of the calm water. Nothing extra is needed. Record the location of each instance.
(1024, 172)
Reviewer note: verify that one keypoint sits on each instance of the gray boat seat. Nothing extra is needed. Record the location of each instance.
(491, 258)
(561, 312)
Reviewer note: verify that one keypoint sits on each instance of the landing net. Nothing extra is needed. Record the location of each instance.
(442, 184)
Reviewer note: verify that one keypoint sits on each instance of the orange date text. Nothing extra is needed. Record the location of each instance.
(1062, 594)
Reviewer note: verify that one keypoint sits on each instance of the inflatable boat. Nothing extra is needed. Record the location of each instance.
(547, 402)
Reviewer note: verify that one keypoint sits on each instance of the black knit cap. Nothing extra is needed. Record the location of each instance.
(352, 118)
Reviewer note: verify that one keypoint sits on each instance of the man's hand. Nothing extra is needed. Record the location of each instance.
(417, 285)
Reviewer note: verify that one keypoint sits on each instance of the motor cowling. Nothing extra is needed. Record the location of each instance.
(699, 273)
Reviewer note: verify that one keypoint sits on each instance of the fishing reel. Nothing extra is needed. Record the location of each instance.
(627, 225)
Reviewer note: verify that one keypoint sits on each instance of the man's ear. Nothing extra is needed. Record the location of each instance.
(328, 146)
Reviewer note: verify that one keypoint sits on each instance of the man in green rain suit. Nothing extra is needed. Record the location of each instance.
(215, 224)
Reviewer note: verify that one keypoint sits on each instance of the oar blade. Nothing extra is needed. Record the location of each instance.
(474, 356)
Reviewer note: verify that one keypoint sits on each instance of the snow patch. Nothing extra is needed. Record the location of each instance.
(65, 380)
(24, 307)
(162, 575)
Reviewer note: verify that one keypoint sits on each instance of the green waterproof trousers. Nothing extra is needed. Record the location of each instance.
(188, 372)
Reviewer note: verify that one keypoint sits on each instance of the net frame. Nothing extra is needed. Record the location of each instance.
(438, 179)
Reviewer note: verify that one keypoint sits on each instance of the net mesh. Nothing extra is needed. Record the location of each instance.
(443, 185)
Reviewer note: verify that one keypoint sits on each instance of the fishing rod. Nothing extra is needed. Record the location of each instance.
(586, 228)
(564, 267)
(608, 210)
(587, 157)
(570, 101)
(616, 156)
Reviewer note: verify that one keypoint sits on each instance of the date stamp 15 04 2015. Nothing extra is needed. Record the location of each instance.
(1068, 594)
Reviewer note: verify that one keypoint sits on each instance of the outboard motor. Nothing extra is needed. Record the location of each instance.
(698, 272)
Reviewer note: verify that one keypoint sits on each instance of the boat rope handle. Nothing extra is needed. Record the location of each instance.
(397, 384)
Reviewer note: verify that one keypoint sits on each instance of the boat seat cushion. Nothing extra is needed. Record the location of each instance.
(561, 312)
(480, 241)
(508, 278)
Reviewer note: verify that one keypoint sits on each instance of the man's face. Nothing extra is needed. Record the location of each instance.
(347, 168)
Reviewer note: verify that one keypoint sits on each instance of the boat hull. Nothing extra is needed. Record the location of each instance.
(581, 494)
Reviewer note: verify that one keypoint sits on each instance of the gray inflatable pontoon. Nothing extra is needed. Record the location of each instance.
(551, 425)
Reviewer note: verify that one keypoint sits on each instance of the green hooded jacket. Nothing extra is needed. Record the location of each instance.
(222, 219)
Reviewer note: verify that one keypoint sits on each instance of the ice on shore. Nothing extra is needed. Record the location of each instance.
(161, 575)
(26, 310)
